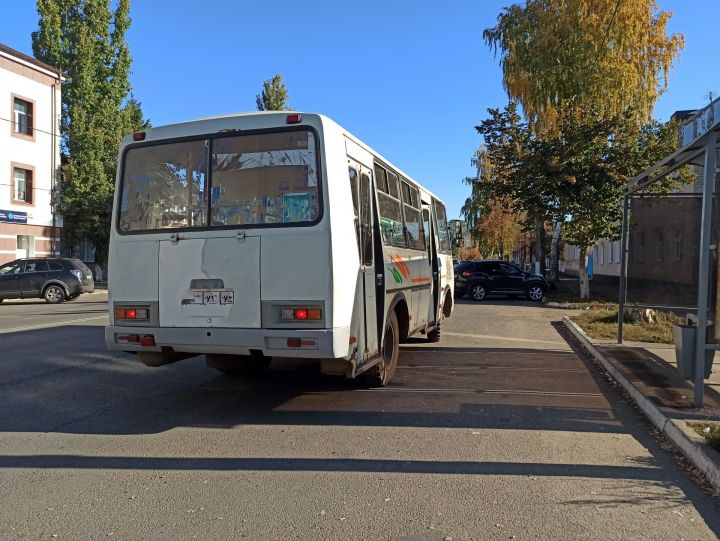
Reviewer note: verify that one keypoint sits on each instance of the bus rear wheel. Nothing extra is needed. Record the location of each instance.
(382, 374)
(243, 365)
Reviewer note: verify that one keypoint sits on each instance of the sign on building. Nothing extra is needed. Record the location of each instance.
(13, 216)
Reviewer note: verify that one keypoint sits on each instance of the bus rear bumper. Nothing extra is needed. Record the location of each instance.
(311, 343)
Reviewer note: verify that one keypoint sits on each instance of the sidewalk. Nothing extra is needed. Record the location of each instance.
(652, 369)
(648, 373)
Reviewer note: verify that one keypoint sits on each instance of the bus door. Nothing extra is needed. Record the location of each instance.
(431, 235)
(361, 179)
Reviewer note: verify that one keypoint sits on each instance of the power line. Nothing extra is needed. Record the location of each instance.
(34, 129)
(34, 188)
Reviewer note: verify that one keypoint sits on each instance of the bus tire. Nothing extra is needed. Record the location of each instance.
(381, 374)
(243, 365)
(434, 335)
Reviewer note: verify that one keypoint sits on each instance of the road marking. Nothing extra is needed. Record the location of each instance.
(476, 391)
(48, 325)
(502, 338)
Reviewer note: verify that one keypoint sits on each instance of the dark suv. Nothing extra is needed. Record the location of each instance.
(53, 278)
(482, 278)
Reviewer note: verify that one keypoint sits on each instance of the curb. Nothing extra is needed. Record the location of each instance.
(692, 445)
(567, 305)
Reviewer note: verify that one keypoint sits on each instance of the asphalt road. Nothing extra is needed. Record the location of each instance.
(500, 431)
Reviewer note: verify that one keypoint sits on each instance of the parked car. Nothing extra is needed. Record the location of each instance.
(54, 279)
(482, 278)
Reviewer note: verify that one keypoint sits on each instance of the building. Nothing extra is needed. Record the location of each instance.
(29, 155)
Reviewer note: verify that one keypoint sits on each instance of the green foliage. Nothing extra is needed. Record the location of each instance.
(584, 57)
(587, 74)
(511, 190)
(86, 40)
(575, 176)
(274, 96)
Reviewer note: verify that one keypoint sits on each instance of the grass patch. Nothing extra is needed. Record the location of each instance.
(601, 324)
(709, 431)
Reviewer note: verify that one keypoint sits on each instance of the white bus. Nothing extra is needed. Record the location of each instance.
(274, 234)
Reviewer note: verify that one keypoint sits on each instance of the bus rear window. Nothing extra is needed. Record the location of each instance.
(253, 179)
(264, 179)
(164, 187)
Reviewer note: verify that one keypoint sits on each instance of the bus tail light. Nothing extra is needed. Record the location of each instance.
(299, 342)
(294, 118)
(139, 136)
(147, 340)
(301, 314)
(131, 313)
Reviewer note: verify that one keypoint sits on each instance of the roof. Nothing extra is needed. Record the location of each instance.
(12, 52)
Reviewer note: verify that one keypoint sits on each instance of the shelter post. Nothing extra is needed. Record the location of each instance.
(703, 273)
(623, 267)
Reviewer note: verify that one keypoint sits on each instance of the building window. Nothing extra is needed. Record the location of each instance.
(601, 253)
(22, 185)
(677, 244)
(617, 256)
(659, 245)
(22, 125)
(640, 247)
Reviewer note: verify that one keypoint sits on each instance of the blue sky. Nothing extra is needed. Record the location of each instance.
(410, 78)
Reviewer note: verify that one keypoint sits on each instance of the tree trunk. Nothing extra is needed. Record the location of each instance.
(555, 252)
(539, 237)
(582, 270)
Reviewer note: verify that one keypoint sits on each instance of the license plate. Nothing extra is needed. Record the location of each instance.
(214, 297)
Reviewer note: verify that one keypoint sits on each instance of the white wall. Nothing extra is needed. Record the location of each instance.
(37, 153)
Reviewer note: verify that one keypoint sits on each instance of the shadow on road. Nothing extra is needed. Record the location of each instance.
(95, 392)
(91, 391)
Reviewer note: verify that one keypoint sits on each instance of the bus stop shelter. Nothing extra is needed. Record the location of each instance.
(695, 239)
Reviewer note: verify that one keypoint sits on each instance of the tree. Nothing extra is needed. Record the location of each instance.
(592, 163)
(511, 173)
(274, 96)
(574, 177)
(86, 40)
(587, 74)
(584, 57)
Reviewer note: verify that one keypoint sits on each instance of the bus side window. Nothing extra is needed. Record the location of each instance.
(426, 224)
(441, 227)
(414, 230)
(354, 189)
(366, 219)
(391, 216)
(380, 179)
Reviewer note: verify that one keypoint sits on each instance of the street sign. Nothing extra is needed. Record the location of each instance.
(13, 216)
